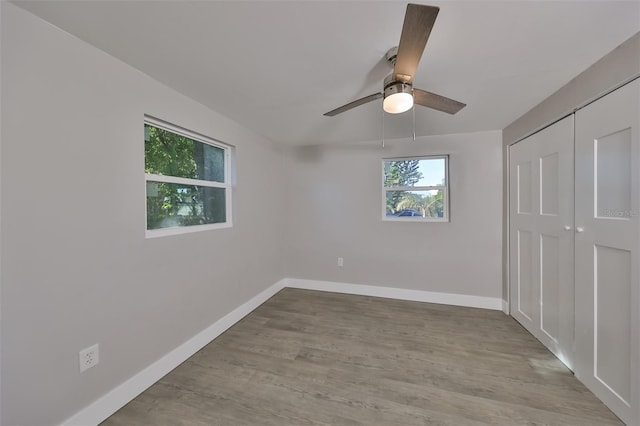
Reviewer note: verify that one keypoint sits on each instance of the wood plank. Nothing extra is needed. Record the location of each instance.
(320, 358)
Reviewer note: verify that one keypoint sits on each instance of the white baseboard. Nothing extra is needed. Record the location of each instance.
(505, 307)
(118, 397)
(494, 303)
(121, 395)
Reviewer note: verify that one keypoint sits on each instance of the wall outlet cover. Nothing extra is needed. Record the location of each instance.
(88, 357)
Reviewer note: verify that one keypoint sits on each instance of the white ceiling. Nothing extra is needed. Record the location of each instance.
(277, 66)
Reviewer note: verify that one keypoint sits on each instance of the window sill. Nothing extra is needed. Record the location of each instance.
(415, 219)
(165, 232)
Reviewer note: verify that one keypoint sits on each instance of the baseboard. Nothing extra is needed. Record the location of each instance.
(494, 303)
(118, 397)
(505, 307)
(121, 395)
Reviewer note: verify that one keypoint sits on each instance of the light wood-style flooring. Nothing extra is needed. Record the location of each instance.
(318, 358)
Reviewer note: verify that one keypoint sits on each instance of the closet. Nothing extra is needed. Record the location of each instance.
(574, 244)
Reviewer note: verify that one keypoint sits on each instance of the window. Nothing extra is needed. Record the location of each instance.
(415, 189)
(187, 180)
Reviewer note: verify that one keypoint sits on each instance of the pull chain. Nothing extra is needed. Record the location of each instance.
(414, 123)
(382, 127)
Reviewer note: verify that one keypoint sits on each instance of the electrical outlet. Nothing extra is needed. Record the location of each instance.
(89, 357)
(340, 261)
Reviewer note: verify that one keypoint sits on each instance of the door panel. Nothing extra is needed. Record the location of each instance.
(526, 291)
(607, 254)
(549, 286)
(525, 195)
(611, 319)
(523, 224)
(549, 185)
(541, 259)
(612, 156)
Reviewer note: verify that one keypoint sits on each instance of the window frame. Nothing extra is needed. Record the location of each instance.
(226, 185)
(445, 189)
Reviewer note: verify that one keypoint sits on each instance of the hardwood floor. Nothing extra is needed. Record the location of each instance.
(308, 358)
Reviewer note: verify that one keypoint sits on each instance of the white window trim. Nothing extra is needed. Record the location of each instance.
(444, 188)
(226, 185)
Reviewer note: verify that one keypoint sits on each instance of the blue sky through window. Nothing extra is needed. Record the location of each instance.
(432, 172)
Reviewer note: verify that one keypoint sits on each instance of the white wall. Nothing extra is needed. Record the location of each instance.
(76, 268)
(334, 210)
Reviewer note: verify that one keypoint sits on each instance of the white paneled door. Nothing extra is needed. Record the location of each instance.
(542, 236)
(607, 140)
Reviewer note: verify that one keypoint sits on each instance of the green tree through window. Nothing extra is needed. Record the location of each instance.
(400, 173)
(185, 177)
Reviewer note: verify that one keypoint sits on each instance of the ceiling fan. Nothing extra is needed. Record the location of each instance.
(398, 91)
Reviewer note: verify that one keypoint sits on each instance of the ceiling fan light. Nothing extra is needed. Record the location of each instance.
(398, 98)
(397, 103)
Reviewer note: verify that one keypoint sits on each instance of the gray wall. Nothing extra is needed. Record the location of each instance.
(620, 65)
(334, 210)
(76, 267)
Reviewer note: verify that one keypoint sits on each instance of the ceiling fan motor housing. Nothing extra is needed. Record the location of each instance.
(392, 86)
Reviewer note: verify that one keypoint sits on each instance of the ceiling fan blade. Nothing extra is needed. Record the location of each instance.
(431, 100)
(353, 104)
(418, 22)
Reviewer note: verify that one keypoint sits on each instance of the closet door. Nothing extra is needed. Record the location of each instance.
(541, 236)
(607, 250)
